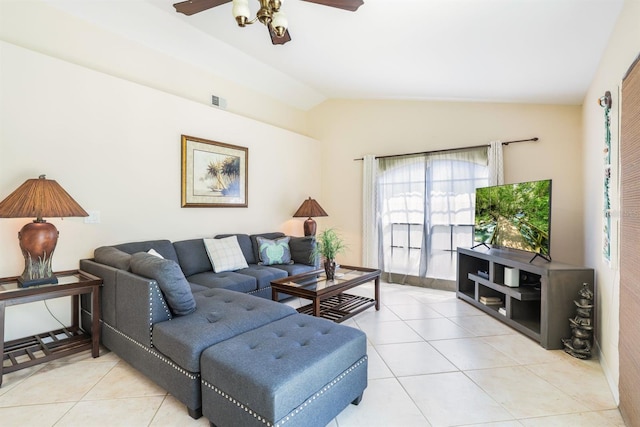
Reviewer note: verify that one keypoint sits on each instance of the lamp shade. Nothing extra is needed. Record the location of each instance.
(310, 208)
(39, 198)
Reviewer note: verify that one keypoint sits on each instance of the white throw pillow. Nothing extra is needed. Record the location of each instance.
(225, 254)
(154, 253)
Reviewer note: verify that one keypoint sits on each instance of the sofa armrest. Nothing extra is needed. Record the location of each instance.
(107, 290)
(139, 305)
(130, 303)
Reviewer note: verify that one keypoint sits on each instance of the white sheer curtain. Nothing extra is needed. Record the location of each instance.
(496, 170)
(426, 205)
(370, 252)
(401, 190)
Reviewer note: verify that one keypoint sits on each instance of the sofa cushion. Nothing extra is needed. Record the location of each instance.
(192, 256)
(302, 249)
(227, 280)
(112, 257)
(293, 269)
(225, 254)
(245, 244)
(163, 247)
(263, 274)
(170, 278)
(274, 251)
(221, 314)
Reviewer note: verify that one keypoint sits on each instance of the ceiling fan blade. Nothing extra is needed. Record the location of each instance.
(279, 40)
(351, 5)
(191, 7)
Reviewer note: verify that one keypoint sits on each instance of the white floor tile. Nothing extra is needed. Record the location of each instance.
(523, 349)
(428, 353)
(524, 394)
(438, 329)
(35, 415)
(472, 353)
(451, 399)
(414, 358)
(388, 332)
(377, 368)
(385, 404)
(483, 325)
(414, 311)
(137, 411)
(124, 381)
(583, 419)
(173, 413)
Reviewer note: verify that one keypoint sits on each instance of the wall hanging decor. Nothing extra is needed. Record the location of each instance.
(605, 102)
(214, 174)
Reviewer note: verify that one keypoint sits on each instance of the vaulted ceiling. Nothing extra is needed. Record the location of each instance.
(532, 51)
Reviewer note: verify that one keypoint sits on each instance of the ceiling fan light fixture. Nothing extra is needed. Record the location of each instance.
(279, 23)
(275, 4)
(268, 14)
(241, 11)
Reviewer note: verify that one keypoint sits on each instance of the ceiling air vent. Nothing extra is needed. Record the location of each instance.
(216, 101)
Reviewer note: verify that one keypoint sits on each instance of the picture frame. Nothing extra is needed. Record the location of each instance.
(214, 174)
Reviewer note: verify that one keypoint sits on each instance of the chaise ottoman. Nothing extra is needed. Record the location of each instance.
(297, 371)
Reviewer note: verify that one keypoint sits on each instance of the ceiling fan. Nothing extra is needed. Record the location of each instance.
(269, 13)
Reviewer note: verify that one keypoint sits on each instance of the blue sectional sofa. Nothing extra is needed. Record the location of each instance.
(164, 306)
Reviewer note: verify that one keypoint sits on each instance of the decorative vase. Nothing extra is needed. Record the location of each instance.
(330, 268)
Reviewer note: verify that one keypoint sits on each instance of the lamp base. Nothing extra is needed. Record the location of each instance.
(38, 240)
(35, 282)
(310, 227)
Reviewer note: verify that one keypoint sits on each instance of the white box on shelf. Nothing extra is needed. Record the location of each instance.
(511, 277)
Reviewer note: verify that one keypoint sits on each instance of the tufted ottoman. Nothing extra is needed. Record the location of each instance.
(297, 371)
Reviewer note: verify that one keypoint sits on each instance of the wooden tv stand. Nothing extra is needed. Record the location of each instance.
(539, 311)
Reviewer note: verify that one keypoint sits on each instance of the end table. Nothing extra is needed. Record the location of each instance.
(25, 352)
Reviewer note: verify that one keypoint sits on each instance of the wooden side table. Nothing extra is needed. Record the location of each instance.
(25, 352)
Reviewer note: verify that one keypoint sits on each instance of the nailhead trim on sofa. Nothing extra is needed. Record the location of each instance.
(156, 288)
(169, 362)
(295, 411)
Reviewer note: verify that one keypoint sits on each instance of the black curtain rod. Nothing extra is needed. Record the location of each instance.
(451, 149)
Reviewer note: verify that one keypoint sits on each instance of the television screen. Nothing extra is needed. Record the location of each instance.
(515, 216)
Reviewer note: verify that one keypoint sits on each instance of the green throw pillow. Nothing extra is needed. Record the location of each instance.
(274, 251)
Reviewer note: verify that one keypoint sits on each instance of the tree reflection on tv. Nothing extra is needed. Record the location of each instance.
(515, 216)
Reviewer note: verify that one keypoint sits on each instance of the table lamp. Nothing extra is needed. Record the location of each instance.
(310, 208)
(39, 198)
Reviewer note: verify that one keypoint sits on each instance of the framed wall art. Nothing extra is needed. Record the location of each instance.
(214, 174)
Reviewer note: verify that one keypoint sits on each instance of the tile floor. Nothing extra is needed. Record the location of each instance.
(433, 361)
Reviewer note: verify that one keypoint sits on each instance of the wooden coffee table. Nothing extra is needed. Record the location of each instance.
(328, 297)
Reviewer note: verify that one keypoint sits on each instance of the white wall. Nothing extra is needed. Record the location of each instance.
(115, 147)
(351, 129)
(623, 48)
(37, 26)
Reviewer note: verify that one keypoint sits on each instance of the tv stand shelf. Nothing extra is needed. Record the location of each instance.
(539, 308)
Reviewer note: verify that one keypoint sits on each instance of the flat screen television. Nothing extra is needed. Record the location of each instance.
(515, 216)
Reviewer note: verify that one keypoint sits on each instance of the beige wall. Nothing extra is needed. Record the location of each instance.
(115, 147)
(45, 29)
(351, 129)
(623, 48)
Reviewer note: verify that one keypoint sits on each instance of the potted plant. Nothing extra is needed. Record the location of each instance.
(328, 245)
